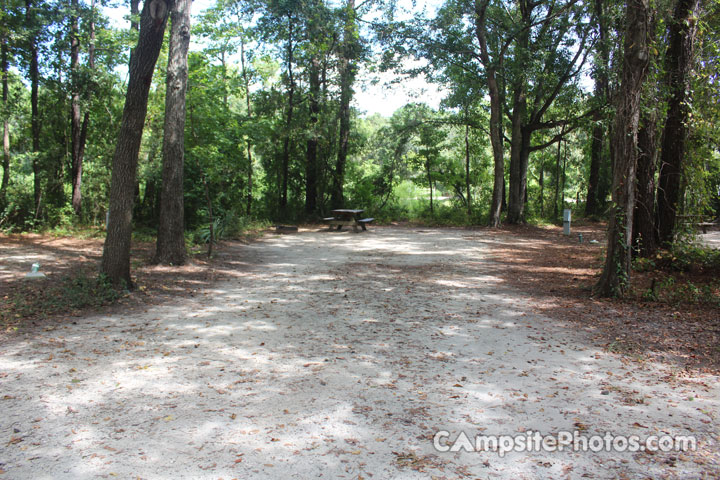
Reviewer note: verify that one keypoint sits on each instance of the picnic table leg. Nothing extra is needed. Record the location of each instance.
(339, 227)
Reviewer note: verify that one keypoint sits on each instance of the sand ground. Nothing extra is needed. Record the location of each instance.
(339, 355)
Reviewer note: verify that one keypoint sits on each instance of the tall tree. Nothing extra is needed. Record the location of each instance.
(116, 251)
(31, 23)
(78, 122)
(171, 229)
(551, 44)
(496, 131)
(290, 110)
(679, 59)
(348, 69)
(311, 157)
(600, 75)
(644, 234)
(248, 143)
(4, 33)
(616, 271)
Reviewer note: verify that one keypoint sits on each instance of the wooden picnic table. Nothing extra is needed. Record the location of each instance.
(698, 221)
(348, 217)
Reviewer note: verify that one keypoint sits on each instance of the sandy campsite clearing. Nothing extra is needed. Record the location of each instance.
(340, 355)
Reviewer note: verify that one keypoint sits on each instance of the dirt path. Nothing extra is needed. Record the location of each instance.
(338, 355)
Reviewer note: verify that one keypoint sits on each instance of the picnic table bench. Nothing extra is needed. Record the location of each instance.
(347, 217)
(702, 222)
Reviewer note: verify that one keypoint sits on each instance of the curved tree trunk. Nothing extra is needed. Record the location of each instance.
(116, 251)
(616, 272)
(171, 229)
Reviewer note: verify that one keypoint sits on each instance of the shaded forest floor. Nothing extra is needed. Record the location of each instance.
(558, 274)
(336, 355)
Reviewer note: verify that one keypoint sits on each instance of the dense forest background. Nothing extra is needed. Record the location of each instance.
(531, 123)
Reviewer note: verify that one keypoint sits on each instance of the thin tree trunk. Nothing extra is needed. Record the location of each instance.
(556, 210)
(496, 135)
(678, 60)
(288, 121)
(564, 179)
(541, 181)
(246, 81)
(34, 115)
(211, 218)
(311, 160)
(116, 251)
(467, 170)
(134, 12)
(615, 276)
(347, 78)
(86, 116)
(6, 124)
(592, 204)
(75, 115)
(430, 184)
(171, 229)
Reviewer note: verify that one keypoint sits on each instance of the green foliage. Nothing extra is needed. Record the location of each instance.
(685, 255)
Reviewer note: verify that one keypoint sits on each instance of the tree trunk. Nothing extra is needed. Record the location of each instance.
(564, 179)
(171, 228)
(134, 12)
(644, 234)
(246, 81)
(347, 78)
(75, 115)
(430, 184)
(516, 193)
(311, 161)
(467, 170)
(116, 251)
(520, 139)
(6, 125)
(556, 209)
(615, 277)
(34, 115)
(496, 135)
(596, 147)
(288, 121)
(86, 116)
(541, 182)
(592, 205)
(678, 65)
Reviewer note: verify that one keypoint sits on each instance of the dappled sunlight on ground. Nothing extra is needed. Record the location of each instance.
(334, 355)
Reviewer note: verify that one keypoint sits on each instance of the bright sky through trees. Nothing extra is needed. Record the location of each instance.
(375, 92)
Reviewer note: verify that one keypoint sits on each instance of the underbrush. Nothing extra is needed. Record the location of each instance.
(685, 273)
(45, 297)
(227, 226)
